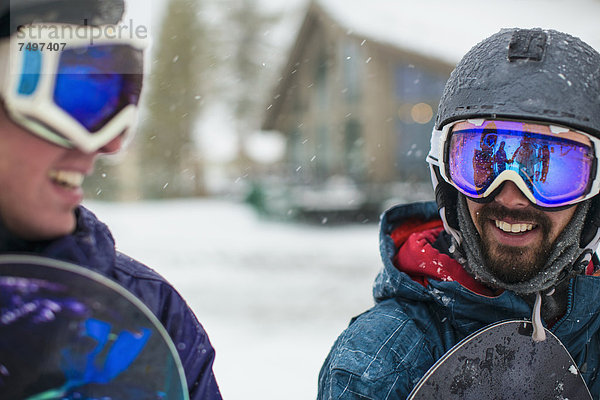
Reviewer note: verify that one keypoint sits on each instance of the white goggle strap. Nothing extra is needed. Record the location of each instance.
(435, 158)
(437, 148)
(595, 188)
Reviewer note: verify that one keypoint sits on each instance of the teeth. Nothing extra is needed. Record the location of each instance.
(71, 179)
(513, 228)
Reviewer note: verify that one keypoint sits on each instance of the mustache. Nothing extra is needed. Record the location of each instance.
(499, 212)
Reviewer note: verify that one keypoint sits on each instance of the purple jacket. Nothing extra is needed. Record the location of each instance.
(92, 246)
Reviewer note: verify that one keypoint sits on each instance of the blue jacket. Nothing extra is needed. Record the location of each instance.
(92, 246)
(386, 350)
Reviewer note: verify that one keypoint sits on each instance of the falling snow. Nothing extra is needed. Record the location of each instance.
(272, 296)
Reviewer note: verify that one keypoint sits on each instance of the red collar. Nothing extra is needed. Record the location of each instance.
(421, 261)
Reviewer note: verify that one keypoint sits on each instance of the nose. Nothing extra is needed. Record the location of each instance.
(112, 147)
(511, 196)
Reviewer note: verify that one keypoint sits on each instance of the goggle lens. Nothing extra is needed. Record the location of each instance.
(94, 84)
(556, 168)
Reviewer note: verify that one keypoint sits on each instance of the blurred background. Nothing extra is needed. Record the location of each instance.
(272, 135)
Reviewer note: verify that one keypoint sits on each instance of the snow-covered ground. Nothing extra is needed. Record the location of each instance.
(273, 296)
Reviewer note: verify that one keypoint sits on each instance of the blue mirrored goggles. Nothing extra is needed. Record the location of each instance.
(74, 93)
(553, 166)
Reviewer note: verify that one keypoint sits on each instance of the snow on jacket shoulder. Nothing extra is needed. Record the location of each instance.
(418, 317)
(92, 246)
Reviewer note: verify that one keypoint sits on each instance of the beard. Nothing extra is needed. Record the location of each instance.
(514, 264)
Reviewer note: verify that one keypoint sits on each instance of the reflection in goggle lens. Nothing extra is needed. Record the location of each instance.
(555, 169)
(95, 84)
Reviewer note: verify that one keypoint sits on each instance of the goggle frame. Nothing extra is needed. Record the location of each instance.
(439, 156)
(37, 112)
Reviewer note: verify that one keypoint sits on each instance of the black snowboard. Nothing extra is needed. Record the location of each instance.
(502, 361)
(69, 333)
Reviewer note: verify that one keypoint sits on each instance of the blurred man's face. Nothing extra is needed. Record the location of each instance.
(40, 183)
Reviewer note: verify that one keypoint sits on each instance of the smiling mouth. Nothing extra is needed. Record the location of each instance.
(67, 179)
(514, 228)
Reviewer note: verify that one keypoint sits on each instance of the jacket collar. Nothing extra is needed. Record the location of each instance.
(466, 307)
(91, 245)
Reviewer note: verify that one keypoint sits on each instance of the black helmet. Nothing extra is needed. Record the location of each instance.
(14, 13)
(535, 74)
(531, 74)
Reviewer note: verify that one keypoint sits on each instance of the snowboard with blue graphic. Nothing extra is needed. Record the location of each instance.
(69, 333)
(502, 361)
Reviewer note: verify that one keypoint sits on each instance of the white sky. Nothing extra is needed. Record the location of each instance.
(441, 28)
(448, 29)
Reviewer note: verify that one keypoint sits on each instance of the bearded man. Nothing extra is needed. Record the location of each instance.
(517, 248)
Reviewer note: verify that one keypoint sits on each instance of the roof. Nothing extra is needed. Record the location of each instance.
(440, 29)
(448, 29)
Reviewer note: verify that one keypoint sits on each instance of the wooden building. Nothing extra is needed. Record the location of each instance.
(357, 113)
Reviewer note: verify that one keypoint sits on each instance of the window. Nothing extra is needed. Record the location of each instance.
(355, 163)
(351, 71)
